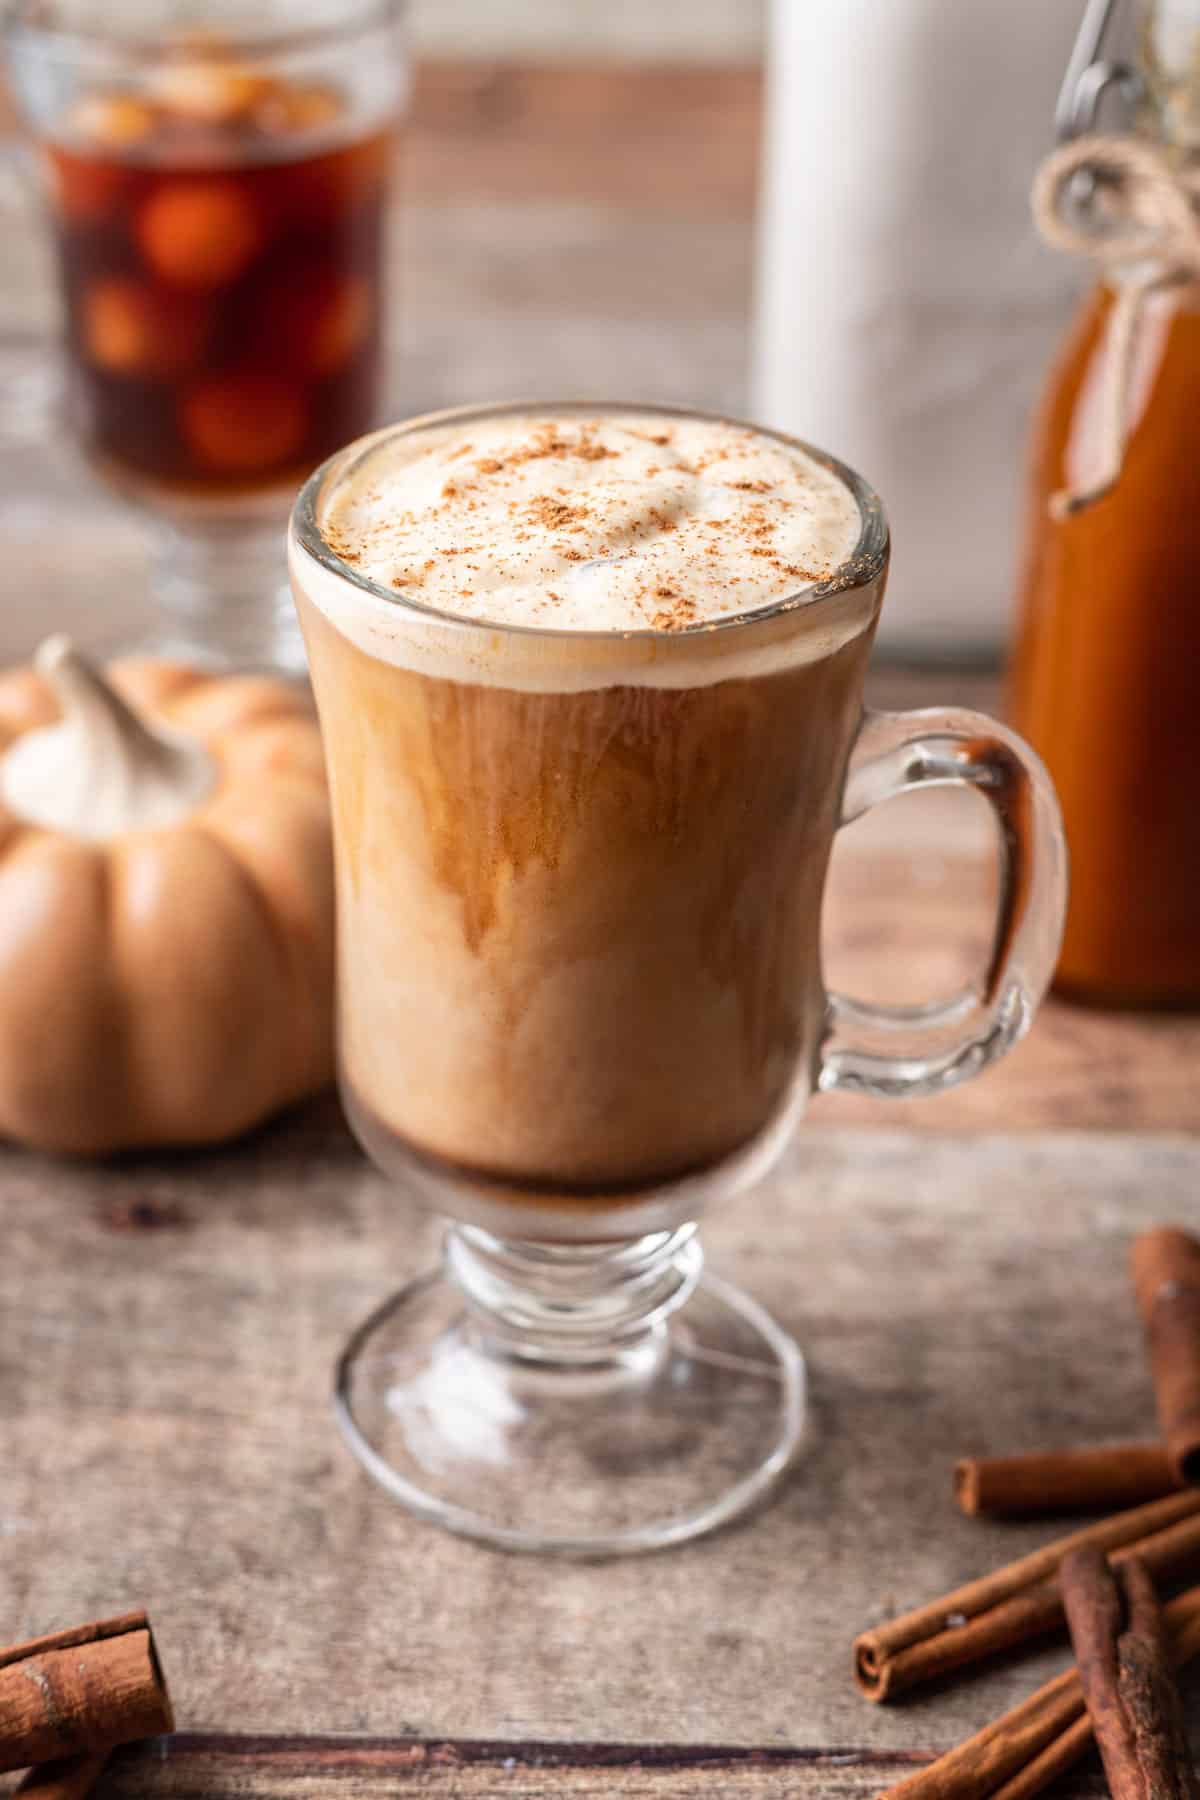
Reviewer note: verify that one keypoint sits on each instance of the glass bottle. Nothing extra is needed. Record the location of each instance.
(1106, 671)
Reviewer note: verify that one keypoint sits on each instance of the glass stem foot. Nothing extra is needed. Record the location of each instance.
(586, 1400)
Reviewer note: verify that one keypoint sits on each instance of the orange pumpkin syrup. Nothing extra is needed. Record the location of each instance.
(1106, 674)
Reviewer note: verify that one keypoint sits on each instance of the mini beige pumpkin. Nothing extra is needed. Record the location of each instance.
(166, 903)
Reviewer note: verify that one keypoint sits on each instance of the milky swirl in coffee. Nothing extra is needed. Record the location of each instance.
(580, 866)
(617, 523)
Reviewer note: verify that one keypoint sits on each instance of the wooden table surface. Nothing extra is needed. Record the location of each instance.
(954, 1268)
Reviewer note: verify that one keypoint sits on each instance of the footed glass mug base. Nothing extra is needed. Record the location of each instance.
(556, 1398)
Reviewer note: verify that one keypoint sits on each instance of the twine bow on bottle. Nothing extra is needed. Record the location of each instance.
(1141, 222)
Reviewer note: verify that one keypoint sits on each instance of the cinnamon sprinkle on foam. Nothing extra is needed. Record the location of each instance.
(604, 523)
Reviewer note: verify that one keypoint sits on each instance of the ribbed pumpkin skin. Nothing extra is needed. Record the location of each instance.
(172, 986)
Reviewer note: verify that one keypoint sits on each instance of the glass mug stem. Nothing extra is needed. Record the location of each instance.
(568, 1359)
(576, 1306)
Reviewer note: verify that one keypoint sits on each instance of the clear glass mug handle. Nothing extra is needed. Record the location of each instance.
(895, 1051)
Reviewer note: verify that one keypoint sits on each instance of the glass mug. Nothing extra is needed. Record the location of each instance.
(216, 179)
(580, 878)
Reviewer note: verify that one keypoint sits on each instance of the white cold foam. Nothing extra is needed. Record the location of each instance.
(614, 524)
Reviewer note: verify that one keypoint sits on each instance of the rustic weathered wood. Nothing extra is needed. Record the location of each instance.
(167, 1330)
(211, 1768)
(619, 135)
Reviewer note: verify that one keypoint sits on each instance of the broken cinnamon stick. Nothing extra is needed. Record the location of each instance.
(1018, 1754)
(1104, 1478)
(85, 1690)
(1166, 1277)
(70, 1778)
(1125, 1671)
(1017, 1602)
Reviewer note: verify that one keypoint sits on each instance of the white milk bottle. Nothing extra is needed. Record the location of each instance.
(905, 307)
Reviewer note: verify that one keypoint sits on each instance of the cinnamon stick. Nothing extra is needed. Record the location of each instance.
(1018, 1754)
(81, 1691)
(1017, 1602)
(977, 1768)
(1103, 1479)
(1166, 1278)
(70, 1778)
(1125, 1672)
(1061, 1754)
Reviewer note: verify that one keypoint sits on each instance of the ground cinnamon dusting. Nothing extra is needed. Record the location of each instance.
(547, 441)
(636, 541)
(554, 514)
(679, 610)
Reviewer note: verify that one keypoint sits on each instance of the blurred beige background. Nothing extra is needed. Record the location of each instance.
(671, 31)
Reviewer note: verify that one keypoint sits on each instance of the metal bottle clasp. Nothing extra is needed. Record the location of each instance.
(1090, 74)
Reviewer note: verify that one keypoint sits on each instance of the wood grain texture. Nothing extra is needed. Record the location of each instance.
(167, 1332)
(615, 134)
(211, 1768)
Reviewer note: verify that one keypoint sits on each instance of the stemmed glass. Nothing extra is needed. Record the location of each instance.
(216, 182)
(580, 879)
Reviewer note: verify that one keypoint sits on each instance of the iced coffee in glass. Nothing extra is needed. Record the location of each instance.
(217, 192)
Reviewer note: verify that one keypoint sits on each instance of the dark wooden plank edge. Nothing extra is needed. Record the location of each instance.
(333, 1754)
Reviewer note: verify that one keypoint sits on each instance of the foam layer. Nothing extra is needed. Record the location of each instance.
(618, 523)
(564, 524)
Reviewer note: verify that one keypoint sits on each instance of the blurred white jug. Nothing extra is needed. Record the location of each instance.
(906, 312)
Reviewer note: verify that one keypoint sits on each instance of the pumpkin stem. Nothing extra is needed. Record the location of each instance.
(101, 770)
